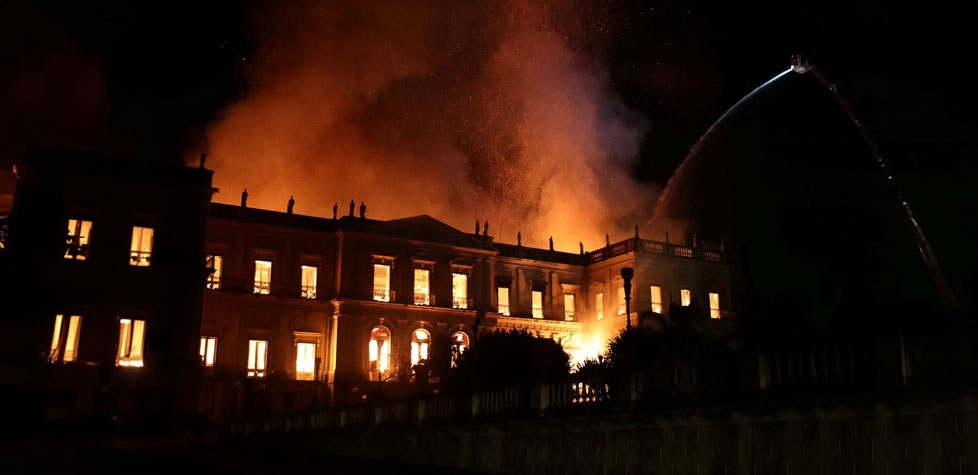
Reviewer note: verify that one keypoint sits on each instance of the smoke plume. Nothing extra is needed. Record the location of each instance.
(459, 110)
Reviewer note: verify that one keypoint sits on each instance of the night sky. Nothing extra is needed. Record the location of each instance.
(146, 78)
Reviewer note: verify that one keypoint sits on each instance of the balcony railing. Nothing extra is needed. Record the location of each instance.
(261, 287)
(423, 299)
(652, 247)
(383, 295)
(461, 302)
(308, 292)
(140, 258)
(75, 249)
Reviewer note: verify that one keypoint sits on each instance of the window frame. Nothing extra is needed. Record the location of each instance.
(215, 262)
(384, 293)
(253, 369)
(262, 287)
(425, 298)
(304, 287)
(420, 347)
(78, 234)
(138, 256)
(383, 364)
(536, 312)
(715, 312)
(65, 339)
(208, 347)
(571, 315)
(460, 302)
(500, 308)
(127, 343)
(655, 305)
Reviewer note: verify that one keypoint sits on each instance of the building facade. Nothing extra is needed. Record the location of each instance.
(305, 311)
(131, 291)
(102, 288)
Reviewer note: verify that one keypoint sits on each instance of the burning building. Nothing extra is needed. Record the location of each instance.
(290, 311)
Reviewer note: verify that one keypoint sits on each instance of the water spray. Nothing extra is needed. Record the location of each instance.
(800, 65)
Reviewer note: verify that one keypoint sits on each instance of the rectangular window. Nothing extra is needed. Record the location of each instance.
(77, 240)
(382, 282)
(141, 248)
(217, 264)
(656, 299)
(305, 361)
(131, 334)
(621, 300)
(422, 282)
(309, 281)
(65, 349)
(460, 291)
(257, 357)
(599, 306)
(569, 309)
(714, 305)
(502, 300)
(208, 350)
(537, 304)
(263, 277)
(684, 297)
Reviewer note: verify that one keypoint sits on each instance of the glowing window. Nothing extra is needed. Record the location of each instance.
(263, 277)
(599, 306)
(257, 358)
(714, 305)
(621, 300)
(65, 349)
(502, 298)
(684, 297)
(420, 340)
(309, 282)
(208, 350)
(460, 343)
(131, 334)
(77, 240)
(537, 304)
(569, 308)
(460, 291)
(141, 248)
(217, 264)
(305, 361)
(656, 299)
(422, 286)
(382, 282)
(379, 353)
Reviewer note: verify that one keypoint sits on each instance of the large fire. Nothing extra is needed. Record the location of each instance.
(457, 110)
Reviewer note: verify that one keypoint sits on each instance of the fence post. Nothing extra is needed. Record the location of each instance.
(419, 415)
(540, 398)
(473, 405)
(378, 414)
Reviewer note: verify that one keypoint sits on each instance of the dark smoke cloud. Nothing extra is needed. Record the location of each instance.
(461, 110)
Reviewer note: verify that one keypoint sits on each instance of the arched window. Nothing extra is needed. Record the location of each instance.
(420, 340)
(460, 343)
(379, 353)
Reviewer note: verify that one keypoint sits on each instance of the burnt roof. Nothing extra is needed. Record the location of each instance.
(537, 254)
(417, 228)
(421, 228)
(53, 161)
(274, 218)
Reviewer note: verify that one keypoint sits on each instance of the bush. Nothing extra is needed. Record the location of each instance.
(509, 359)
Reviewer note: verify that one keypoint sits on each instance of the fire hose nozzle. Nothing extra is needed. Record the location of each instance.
(799, 64)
